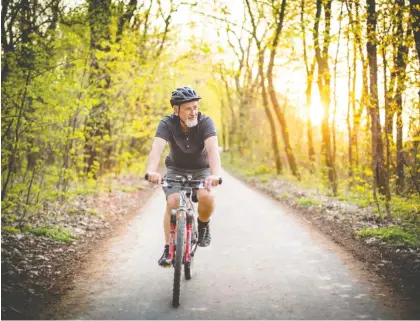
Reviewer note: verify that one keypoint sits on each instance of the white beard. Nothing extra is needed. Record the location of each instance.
(191, 123)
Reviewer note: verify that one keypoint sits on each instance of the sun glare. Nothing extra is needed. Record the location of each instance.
(316, 113)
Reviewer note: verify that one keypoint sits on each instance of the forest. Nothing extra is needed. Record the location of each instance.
(318, 92)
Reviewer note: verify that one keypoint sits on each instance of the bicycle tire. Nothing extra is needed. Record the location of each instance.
(179, 253)
(188, 266)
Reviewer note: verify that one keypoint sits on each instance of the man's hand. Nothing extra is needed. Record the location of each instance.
(155, 177)
(210, 181)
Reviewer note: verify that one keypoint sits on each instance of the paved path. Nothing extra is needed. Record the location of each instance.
(263, 263)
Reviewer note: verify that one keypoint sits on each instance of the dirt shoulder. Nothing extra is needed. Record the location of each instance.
(397, 266)
(37, 270)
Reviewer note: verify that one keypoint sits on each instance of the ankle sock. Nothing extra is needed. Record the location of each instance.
(202, 223)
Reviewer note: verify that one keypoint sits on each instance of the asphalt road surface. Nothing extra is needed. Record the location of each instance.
(263, 263)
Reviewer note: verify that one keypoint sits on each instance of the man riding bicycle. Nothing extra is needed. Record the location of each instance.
(193, 151)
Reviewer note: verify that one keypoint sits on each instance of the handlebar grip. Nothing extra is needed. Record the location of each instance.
(220, 180)
(146, 177)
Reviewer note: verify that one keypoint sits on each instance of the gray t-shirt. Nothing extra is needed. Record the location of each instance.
(186, 149)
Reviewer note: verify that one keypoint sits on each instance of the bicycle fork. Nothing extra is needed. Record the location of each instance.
(188, 238)
(172, 238)
(190, 218)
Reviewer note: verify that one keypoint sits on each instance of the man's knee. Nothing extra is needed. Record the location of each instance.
(206, 198)
(172, 201)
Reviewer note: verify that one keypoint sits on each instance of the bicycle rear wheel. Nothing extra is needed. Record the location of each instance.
(179, 252)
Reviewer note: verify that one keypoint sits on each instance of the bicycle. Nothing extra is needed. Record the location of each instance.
(183, 220)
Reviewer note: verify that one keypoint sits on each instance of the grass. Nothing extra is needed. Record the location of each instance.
(408, 208)
(360, 200)
(395, 235)
(93, 212)
(306, 202)
(58, 234)
(88, 211)
(247, 168)
(11, 229)
(10, 218)
(359, 193)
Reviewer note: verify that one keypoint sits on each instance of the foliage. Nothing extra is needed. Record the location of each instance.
(306, 202)
(406, 207)
(346, 98)
(10, 229)
(394, 234)
(58, 234)
(82, 95)
(52, 89)
(360, 193)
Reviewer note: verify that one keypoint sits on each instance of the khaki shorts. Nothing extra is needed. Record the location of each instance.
(172, 172)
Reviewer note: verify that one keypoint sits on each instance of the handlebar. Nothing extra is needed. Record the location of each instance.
(184, 181)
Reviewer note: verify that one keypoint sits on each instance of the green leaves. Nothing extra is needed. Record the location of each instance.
(394, 234)
(58, 234)
(306, 202)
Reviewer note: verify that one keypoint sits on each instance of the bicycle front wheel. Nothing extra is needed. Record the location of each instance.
(179, 252)
(188, 266)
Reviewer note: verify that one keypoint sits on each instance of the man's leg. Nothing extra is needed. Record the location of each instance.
(205, 204)
(171, 203)
(205, 210)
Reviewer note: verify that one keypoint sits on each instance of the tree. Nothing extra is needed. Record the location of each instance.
(357, 109)
(395, 37)
(98, 126)
(415, 22)
(324, 86)
(380, 179)
(28, 34)
(310, 69)
(279, 19)
(261, 51)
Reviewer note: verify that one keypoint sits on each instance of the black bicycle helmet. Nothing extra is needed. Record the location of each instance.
(183, 95)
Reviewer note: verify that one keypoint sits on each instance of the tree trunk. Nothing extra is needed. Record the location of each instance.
(274, 141)
(264, 92)
(401, 64)
(224, 123)
(308, 92)
(381, 180)
(349, 105)
(358, 47)
(98, 124)
(389, 111)
(415, 166)
(125, 18)
(232, 131)
(335, 87)
(278, 111)
(7, 44)
(415, 23)
(324, 86)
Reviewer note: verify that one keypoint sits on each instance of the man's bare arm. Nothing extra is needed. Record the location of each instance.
(212, 147)
(154, 157)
